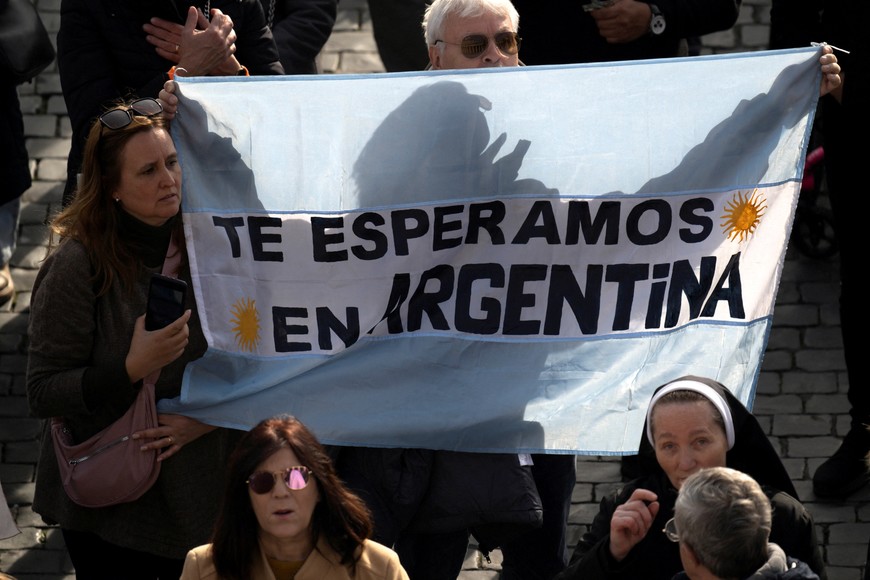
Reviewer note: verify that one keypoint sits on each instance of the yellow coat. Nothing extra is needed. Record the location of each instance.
(377, 562)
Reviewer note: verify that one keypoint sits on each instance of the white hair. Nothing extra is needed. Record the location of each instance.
(437, 12)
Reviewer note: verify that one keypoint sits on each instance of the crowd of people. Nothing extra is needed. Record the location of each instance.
(273, 502)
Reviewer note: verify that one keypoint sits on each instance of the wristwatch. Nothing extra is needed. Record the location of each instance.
(657, 21)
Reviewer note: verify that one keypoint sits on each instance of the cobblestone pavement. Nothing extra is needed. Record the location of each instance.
(801, 398)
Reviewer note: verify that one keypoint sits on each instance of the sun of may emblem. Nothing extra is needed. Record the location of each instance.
(743, 214)
(246, 323)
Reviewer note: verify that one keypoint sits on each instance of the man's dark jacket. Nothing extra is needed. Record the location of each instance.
(103, 56)
(561, 32)
(300, 28)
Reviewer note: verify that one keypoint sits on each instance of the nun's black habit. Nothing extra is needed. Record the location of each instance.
(656, 557)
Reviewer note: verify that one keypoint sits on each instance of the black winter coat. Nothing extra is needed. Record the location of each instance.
(300, 28)
(656, 557)
(425, 491)
(102, 56)
(14, 170)
(561, 32)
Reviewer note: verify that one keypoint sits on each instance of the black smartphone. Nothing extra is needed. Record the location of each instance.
(165, 301)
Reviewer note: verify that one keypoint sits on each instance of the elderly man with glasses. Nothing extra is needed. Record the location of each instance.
(465, 34)
(722, 520)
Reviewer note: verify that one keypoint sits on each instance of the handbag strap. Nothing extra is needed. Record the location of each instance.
(171, 266)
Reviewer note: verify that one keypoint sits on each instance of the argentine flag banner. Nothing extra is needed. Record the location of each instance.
(501, 260)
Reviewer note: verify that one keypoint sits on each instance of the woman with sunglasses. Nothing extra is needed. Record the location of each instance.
(89, 352)
(287, 515)
(692, 423)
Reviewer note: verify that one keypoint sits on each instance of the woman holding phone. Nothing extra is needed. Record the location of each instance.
(90, 350)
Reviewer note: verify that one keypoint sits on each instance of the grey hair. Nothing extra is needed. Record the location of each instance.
(724, 517)
(438, 11)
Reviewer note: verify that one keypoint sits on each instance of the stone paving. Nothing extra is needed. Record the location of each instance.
(800, 400)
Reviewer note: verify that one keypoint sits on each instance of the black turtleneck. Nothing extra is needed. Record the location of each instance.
(150, 244)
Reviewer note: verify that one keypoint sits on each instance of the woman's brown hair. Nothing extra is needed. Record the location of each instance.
(92, 217)
(340, 517)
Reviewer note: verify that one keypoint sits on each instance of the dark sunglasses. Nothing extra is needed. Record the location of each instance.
(118, 118)
(295, 478)
(474, 45)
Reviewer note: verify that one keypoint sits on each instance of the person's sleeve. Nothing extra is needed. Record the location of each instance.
(87, 71)
(795, 23)
(62, 333)
(301, 28)
(686, 18)
(255, 46)
(591, 558)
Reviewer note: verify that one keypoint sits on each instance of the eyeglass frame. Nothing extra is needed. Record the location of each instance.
(130, 112)
(494, 39)
(670, 530)
(307, 474)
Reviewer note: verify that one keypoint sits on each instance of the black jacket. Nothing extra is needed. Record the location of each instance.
(425, 491)
(561, 32)
(103, 56)
(300, 28)
(14, 170)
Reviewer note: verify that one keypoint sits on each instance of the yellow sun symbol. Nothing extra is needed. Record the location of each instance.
(743, 214)
(246, 323)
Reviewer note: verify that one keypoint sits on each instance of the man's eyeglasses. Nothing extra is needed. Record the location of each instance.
(295, 478)
(118, 118)
(670, 530)
(474, 45)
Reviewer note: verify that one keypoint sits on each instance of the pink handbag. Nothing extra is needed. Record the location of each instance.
(109, 468)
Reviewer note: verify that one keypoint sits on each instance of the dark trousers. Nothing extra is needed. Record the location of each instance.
(542, 553)
(432, 556)
(97, 559)
(844, 129)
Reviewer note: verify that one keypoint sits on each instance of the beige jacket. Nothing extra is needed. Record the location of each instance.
(377, 562)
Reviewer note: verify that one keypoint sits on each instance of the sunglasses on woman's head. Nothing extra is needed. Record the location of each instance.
(118, 118)
(474, 45)
(295, 478)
